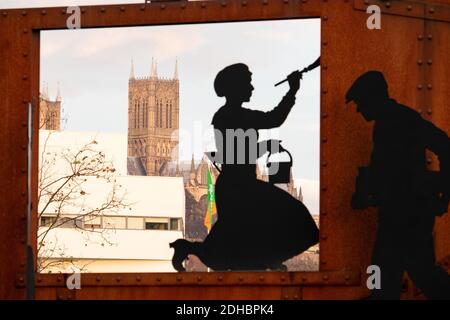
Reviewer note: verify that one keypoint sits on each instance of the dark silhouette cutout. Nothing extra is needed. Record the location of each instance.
(398, 183)
(259, 225)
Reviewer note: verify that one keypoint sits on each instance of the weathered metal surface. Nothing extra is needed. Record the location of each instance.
(330, 278)
(401, 49)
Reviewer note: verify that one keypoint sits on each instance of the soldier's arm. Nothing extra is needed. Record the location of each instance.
(274, 118)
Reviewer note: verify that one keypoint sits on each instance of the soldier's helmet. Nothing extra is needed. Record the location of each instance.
(370, 85)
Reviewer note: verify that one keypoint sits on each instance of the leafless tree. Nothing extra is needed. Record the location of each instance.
(65, 191)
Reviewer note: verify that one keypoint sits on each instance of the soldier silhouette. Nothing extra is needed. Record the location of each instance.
(259, 225)
(408, 196)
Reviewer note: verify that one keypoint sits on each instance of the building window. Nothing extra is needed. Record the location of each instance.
(157, 223)
(47, 221)
(114, 222)
(92, 222)
(157, 115)
(135, 223)
(167, 114)
(175, 224)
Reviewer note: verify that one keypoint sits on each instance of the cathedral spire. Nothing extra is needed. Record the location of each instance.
(175, 74)
(152, 70)
(156, 68)
(58, 94)
(192, 165)
(132, 70)
(45, 93)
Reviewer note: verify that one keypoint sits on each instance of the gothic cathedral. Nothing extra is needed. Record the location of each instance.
(153, 120)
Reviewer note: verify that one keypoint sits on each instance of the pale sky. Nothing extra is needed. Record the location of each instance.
(93, 66)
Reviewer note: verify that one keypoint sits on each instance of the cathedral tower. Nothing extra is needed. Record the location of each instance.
(153, 119)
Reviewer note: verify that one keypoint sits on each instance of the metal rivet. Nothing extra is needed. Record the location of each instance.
(286, 1)
(203, 5)
(325, 278)
(23, 170)
(25, 30)
(142, 8)
(325, 140)
(241, 278)
(325, 66)
(324, 237)
(24, 147)
(388, 4)
(183, 6)
(44, 12)
(244, 3)
(409, 7)
(83, 10)
(304, 279)
(138, 279)
(324, 164)
(4, 13)
(324, 115)
(430, 86)
(419, 87)
(419, 37)
(25, 54)
(419, 62)
(199, 278)
(265, 2)
(24, 13)
(58, 279)
(179, 279)
(98, 279)
(63, 11)
(261, 278)
(282, 278)
(323, 262)
(325, 18)
(325, 42)
(286, 296)
(24, 124)
(430, 62)
(219, 278)
(39, 279)
(429, 111)
(324, 91)
(430, 37)
(24, 193)
(431, 10)
(102, 10)
(23, 240)
(296, 297)
(324, 189)
(163, 6)
(24, 77)
(223, 4)
(122, 9)
(118, 279)
(347, 277)
(323, 213)
(158, 279)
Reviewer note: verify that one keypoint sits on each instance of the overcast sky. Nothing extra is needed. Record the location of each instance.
(93, 66)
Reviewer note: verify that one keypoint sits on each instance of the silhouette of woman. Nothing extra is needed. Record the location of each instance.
(259, 225)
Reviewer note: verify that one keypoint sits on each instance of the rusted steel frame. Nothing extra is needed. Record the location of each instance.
(337, 278)
(414, 9)
(129, 15)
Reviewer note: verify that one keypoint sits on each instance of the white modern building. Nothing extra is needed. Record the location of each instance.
(132, 237)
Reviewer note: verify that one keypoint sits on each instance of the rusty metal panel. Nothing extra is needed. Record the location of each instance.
(400, 50)
(349, 48)
(15, 91)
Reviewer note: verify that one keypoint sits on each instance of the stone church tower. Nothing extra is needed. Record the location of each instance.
(49, 111)
(153, 120)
